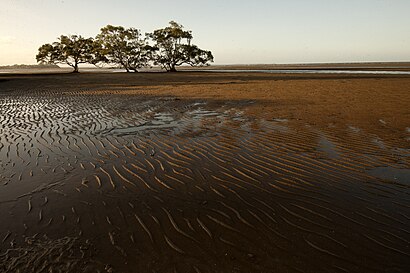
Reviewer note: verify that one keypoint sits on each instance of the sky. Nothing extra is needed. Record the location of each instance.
(236, 31)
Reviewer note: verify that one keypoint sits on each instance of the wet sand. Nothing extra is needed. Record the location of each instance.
(204, 172)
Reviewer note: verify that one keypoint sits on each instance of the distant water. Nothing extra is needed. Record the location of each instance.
(273, 71)
(310, 71)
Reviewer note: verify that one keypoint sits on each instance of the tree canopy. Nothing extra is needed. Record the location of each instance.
(124, 47)
(71, 50)
(173, 48)
(127, 48)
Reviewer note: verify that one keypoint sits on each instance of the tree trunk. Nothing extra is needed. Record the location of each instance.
(75, 68)
(173, 69)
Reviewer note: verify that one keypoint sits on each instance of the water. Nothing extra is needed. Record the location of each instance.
(117, 183)
(308, 71)
(392, 174)
(273, 71)
(328, 147)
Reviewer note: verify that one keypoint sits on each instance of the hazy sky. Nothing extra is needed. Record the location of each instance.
(258, 31)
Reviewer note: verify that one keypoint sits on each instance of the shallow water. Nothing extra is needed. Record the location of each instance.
(392, 174)
(310, 71)
(106, 183)
(328, 147)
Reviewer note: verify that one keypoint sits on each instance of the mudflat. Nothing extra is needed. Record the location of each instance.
(204, 172)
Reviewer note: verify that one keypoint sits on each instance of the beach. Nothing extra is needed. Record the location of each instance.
(205, 172)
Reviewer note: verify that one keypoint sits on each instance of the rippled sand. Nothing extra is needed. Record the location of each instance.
(197, 172)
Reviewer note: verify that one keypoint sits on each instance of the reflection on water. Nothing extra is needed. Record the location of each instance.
(328, 147)
(392, 174)
(129, 184)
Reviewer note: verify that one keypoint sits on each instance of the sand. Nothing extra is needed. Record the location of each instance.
(204, 172)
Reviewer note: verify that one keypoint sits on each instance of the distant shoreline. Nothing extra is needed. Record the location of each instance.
(29, 66)
(359, 67)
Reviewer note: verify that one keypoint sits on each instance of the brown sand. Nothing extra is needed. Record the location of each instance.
(204, 172)
(377, 104)
(362, 101)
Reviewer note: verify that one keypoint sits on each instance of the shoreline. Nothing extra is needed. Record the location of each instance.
(366, 66)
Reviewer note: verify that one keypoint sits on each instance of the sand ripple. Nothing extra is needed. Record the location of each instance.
(155, 184)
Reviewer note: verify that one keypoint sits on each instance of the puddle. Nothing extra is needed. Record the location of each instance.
(136, 129)
(280, 119)
(327, 147)
(159, 121)
(392, 174)
(199, 103)
(275, 126)
(200, 113)
(162, 118)
(354, 129)
(379, 143)
(156, 122)
(153, 120)
(239, 116)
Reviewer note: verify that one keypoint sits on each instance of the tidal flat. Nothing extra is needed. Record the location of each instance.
(204, 172)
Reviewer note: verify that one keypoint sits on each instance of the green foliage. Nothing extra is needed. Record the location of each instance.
(71, 50)
(123, 47)
(116, 45)
(173, 48)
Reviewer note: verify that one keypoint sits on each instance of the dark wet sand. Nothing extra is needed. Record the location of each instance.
(204, 172)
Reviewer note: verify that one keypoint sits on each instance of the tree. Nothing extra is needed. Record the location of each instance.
(173, 48)
(71, 50)
(124, 47)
